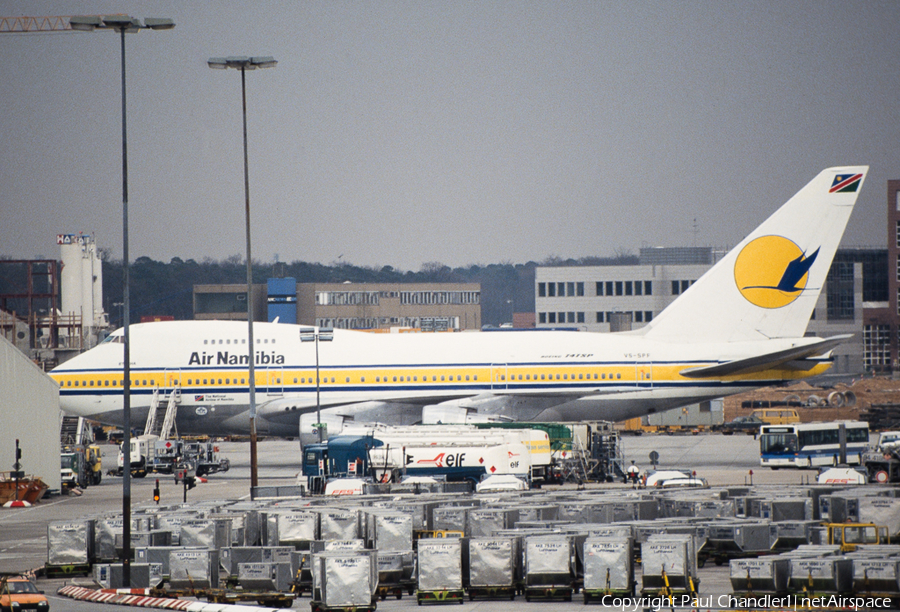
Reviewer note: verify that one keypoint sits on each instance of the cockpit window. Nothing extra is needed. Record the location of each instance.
(117, 339)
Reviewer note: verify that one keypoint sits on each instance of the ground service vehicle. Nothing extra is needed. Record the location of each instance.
(889, 441)
(812, 444)
(142, 453)
(18, 593)
(356, 456)
(203, 458)
(92, 457)
(536, 441)
(73, 470)
(852, 535)
(743, 424)
(883, 464)
(455, 462)
(150, 454)
(776, 416)
(80, 459)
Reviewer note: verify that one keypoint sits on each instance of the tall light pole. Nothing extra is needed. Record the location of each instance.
(317, 335)
(124, 24)
(244, 64)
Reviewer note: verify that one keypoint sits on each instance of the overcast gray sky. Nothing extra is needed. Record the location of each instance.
(397, 133)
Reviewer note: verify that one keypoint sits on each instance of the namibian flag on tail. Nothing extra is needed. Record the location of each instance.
(845, 183)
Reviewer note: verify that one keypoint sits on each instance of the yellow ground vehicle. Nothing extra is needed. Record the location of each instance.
(92, 456)
(852, 535)
(436, 533)
(776, 416)
(18, 593)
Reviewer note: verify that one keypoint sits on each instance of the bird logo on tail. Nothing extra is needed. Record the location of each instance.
(772, 271)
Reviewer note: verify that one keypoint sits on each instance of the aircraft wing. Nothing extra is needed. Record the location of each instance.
(757, 363)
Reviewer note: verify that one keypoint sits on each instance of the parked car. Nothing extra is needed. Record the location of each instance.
(18, 593)
(743, 424)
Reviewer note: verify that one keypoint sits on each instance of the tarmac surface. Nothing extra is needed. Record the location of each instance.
(722, 460)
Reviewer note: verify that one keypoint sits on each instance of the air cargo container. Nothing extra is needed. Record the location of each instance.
(608, 567)
(440, 571)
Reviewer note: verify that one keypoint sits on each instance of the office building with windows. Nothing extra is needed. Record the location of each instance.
(882, 330)
(228, 302)
(616, 298)
(375, 306)
(420, 306)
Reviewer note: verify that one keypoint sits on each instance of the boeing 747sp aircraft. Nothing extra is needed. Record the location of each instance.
(740, 326)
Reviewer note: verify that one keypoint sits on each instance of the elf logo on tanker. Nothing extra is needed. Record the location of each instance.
(772, 271)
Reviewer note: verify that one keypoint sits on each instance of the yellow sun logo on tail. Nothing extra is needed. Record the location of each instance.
(772, 271)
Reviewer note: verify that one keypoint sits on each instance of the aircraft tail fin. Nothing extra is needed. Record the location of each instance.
(767, 286)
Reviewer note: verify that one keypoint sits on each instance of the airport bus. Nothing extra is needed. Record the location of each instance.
(811, 444)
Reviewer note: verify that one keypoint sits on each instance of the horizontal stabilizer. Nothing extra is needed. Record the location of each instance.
(766, 361)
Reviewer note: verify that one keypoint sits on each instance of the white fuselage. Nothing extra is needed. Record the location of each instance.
(522, 375)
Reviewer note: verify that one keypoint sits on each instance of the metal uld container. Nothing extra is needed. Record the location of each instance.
(291, 528)
(790, 534)
(173, 523)
(386, 530)
(881, 511)
(70, 542)
(634, 509)
(621, 531)
(244, 526)
(206, 533)
(646, 530)
(193, 569)
(231, 556)
(542, 512)
(421, 511)
(608, 564)
(344, 579)
(761, 575)
(668, 559)
(549, 560)
(336, 545)
(395, 566)
(145, 538)
(838, 509)
(703, 508)
(822, 574)
(450, 518)
(798, 509)
(143, 575)
(482, 522)
(876, 575)
(440, 564)
(338, 523)
(738, 537)
(105, 531)
(494, 561)
(575, 511)
(265, 576)
(159, 555)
